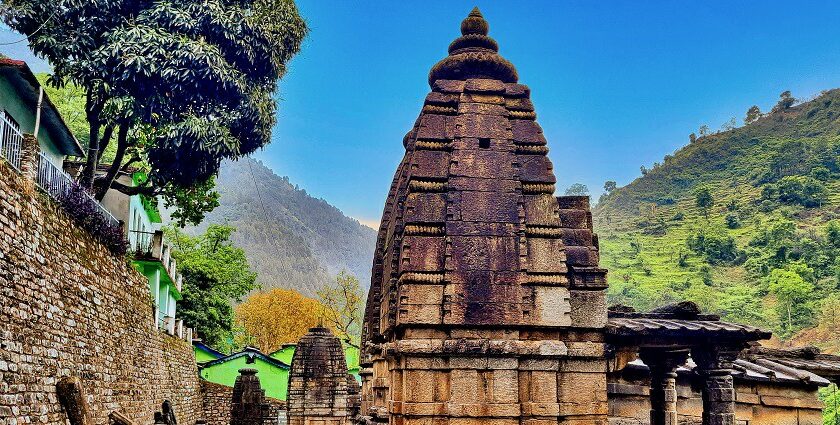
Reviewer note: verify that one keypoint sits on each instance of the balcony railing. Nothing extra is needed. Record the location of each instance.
(56, 182)
(11, 140)
(152, 246)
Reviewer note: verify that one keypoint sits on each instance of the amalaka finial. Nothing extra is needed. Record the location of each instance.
(474, 23)
(473, 55)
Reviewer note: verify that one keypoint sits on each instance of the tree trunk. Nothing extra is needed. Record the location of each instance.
(122, 145)
(92, 109)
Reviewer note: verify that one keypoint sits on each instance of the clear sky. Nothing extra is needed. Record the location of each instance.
(616, 84)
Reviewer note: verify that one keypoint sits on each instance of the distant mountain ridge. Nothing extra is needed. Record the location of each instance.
(291, 239)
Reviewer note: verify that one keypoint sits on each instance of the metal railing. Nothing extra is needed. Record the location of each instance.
(142, 244)
(11, 140)
(56, 183)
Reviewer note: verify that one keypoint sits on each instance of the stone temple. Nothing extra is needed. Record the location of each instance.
(487, 303)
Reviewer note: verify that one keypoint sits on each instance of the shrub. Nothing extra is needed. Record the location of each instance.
(806, 191)
(732, 205)
(732, 221)
(679, 216)
(653, 226)
(717, 248)
(82, 209)
(820, 173)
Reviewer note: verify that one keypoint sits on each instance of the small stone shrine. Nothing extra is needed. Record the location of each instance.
(320, 390)
(248, 406)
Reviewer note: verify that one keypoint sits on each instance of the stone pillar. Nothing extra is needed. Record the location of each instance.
(29, 151)
(248, 406)
(714, 365)
(663, 366)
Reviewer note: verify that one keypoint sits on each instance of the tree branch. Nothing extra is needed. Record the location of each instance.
(134, 190)
(105, 141)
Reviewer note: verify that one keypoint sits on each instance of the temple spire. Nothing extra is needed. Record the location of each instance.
(474, 55)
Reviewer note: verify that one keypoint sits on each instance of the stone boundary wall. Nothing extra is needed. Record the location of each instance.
(70, 308)
(217, 405)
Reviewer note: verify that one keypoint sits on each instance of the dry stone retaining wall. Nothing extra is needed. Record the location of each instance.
(69, 308)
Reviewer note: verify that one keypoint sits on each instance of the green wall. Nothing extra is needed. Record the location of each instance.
(202, 356)
(274, 380)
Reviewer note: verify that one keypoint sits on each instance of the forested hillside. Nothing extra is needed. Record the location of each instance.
(291, 239)
(742, 221)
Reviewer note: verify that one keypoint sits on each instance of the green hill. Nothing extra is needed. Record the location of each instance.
(765, 252)
(292, 240)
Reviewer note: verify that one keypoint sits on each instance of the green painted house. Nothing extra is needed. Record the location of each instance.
(273, 368)
(273, 373)
(205, 353)
(151, 253)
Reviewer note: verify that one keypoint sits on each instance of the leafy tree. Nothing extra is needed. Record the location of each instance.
(703, 131)
(742, 304)
(732, 221)
(729, 125)
(831, 398)
(821, 173)
(753, 114)
(277, 317)
(643, 170)
(786, 100)
(802, 190)
(609, 186)
(832, 234)
(793, 295)
(180, 85)
(716, 247)
(703, 199)
(70, 102)
(215, 272)
(343, 306)
(577, 189)
(692, 138)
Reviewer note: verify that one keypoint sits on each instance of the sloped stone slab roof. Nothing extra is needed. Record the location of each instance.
(670, 327)
(760, 371)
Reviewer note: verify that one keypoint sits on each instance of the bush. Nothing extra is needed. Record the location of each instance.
(716, 248)
(679, 216)
(82, 209)
(732, 221)
(820, 173)
(653, 226)
(806, 191)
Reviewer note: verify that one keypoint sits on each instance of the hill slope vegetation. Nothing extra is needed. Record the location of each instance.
(291, 239)
(743, 221)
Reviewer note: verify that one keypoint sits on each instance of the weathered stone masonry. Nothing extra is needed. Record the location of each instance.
(69, 308)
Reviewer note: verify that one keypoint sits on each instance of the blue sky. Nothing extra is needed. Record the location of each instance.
(616, 84)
